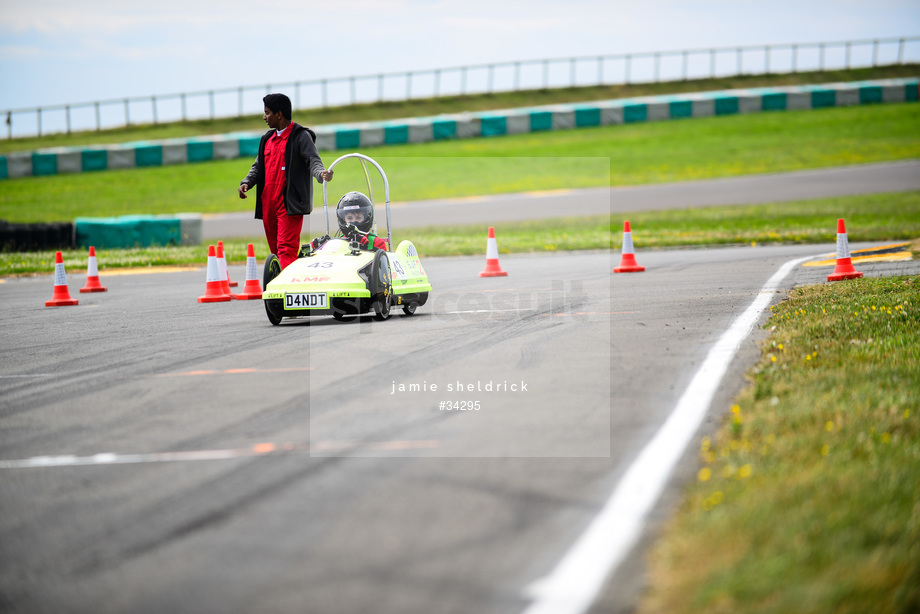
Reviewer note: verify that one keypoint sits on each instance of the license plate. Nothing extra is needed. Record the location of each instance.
(313, 300)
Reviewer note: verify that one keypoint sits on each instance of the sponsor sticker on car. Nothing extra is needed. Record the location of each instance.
(305, 300)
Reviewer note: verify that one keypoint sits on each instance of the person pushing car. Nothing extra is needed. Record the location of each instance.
(282, 170)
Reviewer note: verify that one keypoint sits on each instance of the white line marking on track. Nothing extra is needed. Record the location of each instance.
(572, 586)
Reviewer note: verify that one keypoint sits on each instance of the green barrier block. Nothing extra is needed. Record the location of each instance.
(148, 155)
(541, 120)
(587, 117)
(727, 105)
(4, 169)
(823, 98)
(911, 92)
(681, 108)
(200, 151)
(128, 231)
(870, 94)
(635, 113)
(495, 125)
(44, 164)
(347, 139)
(395, 135)
(249, 146)
(773, 102)
(94, 160)
(444, 129)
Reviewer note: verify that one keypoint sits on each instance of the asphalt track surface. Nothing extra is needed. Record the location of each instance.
(753, 189)
(163, 455)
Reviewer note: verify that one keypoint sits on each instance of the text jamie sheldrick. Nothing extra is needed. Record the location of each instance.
(458, 386)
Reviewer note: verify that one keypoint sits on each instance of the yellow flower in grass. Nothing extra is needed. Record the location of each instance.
(745, 471)
(704, 474)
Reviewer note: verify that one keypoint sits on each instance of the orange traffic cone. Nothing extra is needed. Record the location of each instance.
(492, 267)
(252, 289)
(92, 274)
(222, 270)
(844, 268)
(220, 250)
(628, 262)
(214, 292)
(61, 296)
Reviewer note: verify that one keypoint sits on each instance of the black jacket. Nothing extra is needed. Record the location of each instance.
(301, 161)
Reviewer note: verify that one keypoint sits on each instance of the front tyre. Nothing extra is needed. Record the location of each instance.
(270, 271)
(381, 285)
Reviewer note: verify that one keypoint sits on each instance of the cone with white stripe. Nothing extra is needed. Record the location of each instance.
(844, 268)
(61, 296)
(628, 262)
(92, 274)
(214, 291)
(493, 269)
(220, 250)
(222, 270)
(252, 289)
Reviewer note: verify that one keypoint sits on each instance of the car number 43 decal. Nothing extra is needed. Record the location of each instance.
(400, 271)
(321, 264)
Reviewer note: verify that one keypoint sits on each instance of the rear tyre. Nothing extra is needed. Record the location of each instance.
(410, 308)
(270, 271)
(381, 286)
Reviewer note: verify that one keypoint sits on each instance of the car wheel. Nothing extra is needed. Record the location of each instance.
(270, 271)
(381, 286)
(410, 308)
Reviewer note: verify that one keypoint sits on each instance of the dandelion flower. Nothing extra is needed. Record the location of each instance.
(704, 474)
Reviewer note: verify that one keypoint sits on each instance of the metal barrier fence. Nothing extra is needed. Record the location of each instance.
(462, 80)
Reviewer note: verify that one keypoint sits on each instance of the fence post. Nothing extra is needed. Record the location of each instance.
(211, 102)
(766, 59)
(153, 109)
(463, 81)
(875, 53)
(657, 66)
(98, 122)
(795, 56)
(628, 62)
(380, 87)
(127, 113)
(239, 102)
(821, 57)
(67, 111)
(39, 121)
(517, 76)
(572, 72)
(9, 125)
(183, 106)
(685, 68)
(900, 51)
(408, 86)
(600, 70)
(740, 69)
(325, 99)
(437, 82)
(712, 63)
(848, 55)
(545, 74)
(491, 77)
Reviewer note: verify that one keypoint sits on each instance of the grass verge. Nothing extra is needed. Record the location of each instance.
(807, 498)
(449, 104)
(629, 154)
(876, 217)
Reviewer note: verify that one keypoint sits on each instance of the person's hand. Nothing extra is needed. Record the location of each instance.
(243, 189)
(326, 175)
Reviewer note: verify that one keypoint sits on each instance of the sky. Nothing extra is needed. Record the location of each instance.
(55, 52)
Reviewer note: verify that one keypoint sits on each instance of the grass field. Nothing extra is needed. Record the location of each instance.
(454, 104)
(806, 499)
(638, 154)
(869, 218)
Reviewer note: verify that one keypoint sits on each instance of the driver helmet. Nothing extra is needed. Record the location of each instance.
(355, 208)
